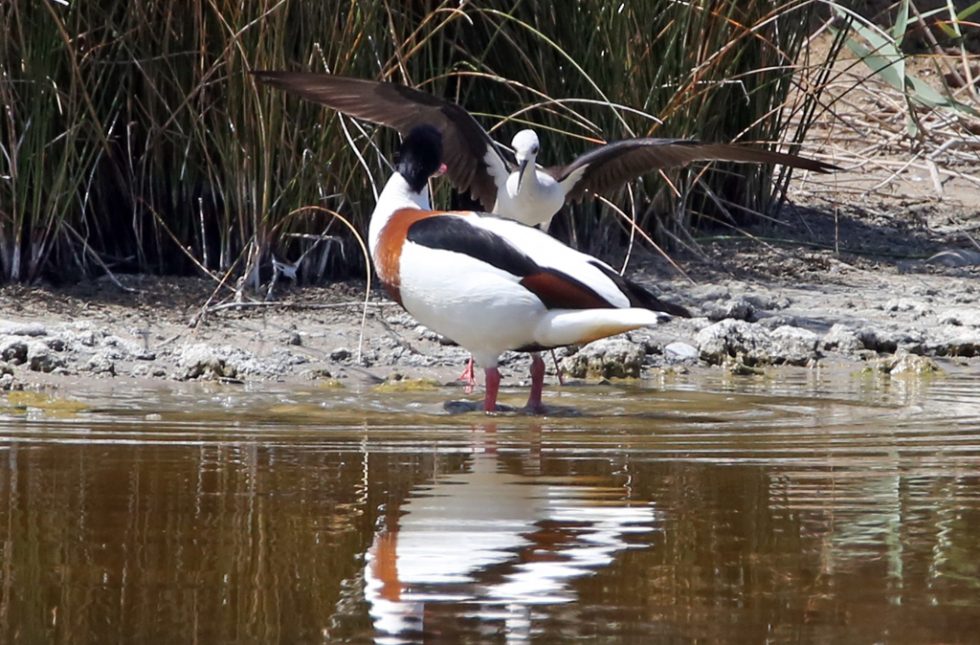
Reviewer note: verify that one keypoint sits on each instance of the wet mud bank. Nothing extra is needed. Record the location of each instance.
(885, 319)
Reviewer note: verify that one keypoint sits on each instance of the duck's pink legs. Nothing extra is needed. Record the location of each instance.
(468, 376)
(492, 387)
(537, 385)
(558, 371)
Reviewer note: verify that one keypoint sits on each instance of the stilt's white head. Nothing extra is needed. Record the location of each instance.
(525, 145)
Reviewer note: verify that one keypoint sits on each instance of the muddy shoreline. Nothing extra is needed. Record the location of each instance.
(889, 300)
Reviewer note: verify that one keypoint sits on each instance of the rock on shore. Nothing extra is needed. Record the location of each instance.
(750, 326)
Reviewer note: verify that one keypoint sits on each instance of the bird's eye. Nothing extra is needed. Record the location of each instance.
(534, 150)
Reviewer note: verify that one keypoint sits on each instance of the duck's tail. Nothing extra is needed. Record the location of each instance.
(562, 327)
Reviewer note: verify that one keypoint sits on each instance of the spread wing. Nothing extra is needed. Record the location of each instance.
(474, 163)
(610, 166)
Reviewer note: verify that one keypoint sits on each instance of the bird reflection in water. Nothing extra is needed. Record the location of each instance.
(490, 545)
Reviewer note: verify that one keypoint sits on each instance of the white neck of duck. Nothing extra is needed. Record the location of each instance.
(396, 195)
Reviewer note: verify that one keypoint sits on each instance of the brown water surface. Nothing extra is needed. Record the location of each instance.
(809, 507)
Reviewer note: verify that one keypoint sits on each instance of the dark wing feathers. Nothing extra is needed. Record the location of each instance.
(555, 289)
(608, 167)
(640, 296)
(558, 290)
(465, 143)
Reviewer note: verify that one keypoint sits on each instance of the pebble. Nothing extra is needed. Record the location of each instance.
(100, 364)
(737, 308)
(729, 338)
(956, 258)
(10, 328)
(7, 382)
(843, 339)
(912, 364)
(42, 358)
(678, 352)
(903, 304)
(223, 362)
(606, 358)
(13, 349)
(954, 341)
(756, 345)
(794, 345)
(960, 316)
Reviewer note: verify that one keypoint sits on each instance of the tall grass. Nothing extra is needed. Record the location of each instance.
(133, 138)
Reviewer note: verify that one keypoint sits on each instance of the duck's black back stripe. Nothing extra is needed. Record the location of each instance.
(557, 290)
(456, 234)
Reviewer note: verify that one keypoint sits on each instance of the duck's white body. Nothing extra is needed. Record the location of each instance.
(488, 311)
(491, 284)
(484, 308)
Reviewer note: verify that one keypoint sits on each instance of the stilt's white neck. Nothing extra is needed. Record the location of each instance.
(538, 198)
(396, 195)
(530, 184)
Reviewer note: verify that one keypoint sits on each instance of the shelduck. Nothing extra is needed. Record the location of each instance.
(493, 284)
(523, 191)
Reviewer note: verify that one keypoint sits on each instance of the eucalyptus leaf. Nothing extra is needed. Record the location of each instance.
(880, 53)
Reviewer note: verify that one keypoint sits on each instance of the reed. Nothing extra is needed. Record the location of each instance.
(133, 138)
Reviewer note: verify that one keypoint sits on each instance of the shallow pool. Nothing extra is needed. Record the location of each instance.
(812, 506)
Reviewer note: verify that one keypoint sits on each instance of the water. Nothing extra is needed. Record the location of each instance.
(814, 507)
